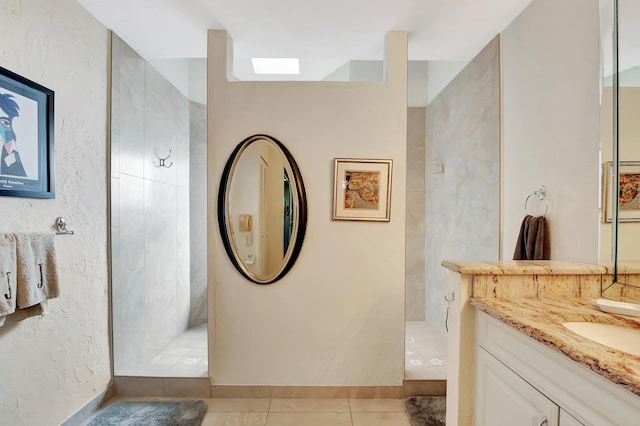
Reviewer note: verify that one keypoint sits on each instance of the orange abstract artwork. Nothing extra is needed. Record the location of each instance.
(629, 191)
(361, 190)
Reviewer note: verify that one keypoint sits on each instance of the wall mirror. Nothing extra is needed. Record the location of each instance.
(625, 166)
(262, 209)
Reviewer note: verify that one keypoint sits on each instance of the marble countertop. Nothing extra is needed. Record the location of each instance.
(542, 320)
(625, 267)
(523, 267)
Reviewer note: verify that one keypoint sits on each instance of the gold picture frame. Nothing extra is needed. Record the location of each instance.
(362, 189)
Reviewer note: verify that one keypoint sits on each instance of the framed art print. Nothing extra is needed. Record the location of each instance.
(628, 191)
(26, 137)
(362, 189)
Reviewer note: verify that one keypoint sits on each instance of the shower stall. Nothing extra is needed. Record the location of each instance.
(453, 200)
(425, 341)
(158, 223)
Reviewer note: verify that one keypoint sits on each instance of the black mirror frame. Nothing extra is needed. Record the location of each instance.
(222, 211)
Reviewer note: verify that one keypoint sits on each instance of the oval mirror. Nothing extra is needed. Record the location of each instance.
(262, 209)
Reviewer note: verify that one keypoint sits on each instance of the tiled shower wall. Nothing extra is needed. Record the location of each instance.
(198, 212)
(415, 239)
(150, 209)
(462, 199)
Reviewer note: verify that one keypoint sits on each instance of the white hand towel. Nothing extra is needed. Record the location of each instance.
(37, 272)
(7, 276)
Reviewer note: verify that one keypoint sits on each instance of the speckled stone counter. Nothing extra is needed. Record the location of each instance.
(542, 319)
(522, 267)
(535, 297)
(549, 278)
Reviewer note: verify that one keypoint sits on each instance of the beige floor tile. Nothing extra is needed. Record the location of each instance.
(234, 419)
(309, 419)
(309, 406)
(376, 405)
(252, 405)
(395, 418)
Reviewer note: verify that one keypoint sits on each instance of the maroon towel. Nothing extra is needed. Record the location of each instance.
(533, 240)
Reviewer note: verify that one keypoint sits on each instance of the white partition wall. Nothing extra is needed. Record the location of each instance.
(337, 318)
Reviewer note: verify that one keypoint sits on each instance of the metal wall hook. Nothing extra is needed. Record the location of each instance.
(449, 300)
(162, 161)
(61, 226)
(437, 168)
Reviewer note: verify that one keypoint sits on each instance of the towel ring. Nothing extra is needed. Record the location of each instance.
(540, 193)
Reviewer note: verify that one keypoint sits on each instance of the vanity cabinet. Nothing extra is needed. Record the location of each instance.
(519, 381)
(567, 420)
(505, 399)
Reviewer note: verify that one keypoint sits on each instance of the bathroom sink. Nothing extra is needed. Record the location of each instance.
(624, 339)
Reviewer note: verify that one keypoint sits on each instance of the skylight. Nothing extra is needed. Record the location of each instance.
(289, 66)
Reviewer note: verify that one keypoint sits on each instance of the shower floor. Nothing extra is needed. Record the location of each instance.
(184, 357)
(425, 352)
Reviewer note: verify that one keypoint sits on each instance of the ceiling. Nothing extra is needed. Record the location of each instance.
(323, 34)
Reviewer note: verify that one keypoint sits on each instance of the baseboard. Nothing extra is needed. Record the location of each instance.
(200, 388)
(302, 392)
(91, 407)
(172, 387)
(424, 388)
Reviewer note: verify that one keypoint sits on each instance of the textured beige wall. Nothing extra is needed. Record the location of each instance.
(198, 212)
(337, 317)
(415, 257)
(550, 73)
(53, 365)
(462, 202)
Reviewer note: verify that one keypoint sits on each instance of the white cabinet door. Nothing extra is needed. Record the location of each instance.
(502, 398)
(567, 419)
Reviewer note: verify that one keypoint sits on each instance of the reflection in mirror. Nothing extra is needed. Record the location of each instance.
(262, 212)
(606, 130)
(625, 176)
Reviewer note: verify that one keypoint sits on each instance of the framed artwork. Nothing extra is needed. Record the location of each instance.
(26, 137)
(628, 191)
(362, 189)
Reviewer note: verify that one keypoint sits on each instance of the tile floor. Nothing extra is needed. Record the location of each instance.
(184, 357)
(425, 358)
(425, 352)
(302, 412)
(307, 412)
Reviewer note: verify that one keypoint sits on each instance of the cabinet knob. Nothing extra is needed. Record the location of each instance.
(543, 421)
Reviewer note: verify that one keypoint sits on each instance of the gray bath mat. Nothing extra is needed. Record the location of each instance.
(186, 412)
(426, 410)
